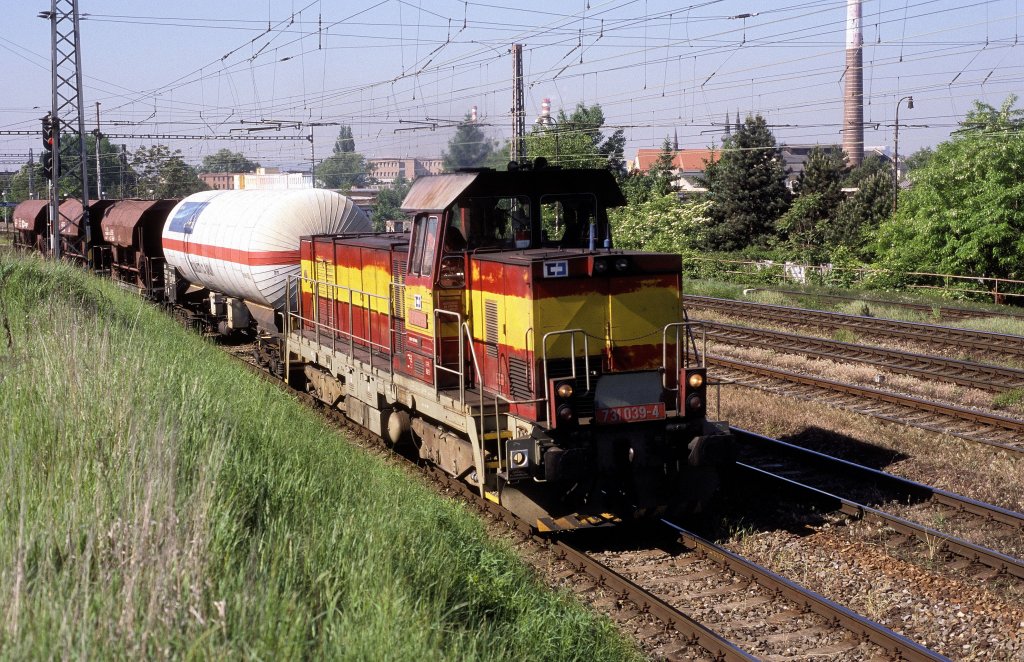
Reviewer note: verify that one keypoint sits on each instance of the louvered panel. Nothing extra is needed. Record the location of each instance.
(519, 379)
(491, 327)
(398, 269)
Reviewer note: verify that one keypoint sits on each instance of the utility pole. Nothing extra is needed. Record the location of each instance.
(518, 149)
(853, 102)
(99, 175)
(31, 176)
(312, 156)
(66, 113)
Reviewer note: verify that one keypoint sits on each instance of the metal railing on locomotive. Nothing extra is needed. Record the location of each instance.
(682, 359)
(572, 361)
(466, 339)
(297, 318)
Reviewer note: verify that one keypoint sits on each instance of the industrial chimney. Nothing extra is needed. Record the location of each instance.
(545, 112)
(853, 97)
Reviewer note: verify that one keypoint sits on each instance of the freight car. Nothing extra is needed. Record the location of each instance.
(132, 252)
(515, 347)
(229, 255)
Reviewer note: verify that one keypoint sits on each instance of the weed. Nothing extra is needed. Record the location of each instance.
(1008, 399)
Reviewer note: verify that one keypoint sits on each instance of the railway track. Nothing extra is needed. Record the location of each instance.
(964, 373)
(767, 466)
(931, 335)
(943, 312)
(837, 628)
(973, 425)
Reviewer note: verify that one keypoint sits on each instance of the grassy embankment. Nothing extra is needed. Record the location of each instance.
(159, 501)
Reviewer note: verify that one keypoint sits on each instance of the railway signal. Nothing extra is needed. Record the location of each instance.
(49, 142)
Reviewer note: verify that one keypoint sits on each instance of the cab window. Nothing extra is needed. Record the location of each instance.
(499, 222)
(424, 246)
(566, 219)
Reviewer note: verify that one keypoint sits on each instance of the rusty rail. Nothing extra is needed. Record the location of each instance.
(869, 630)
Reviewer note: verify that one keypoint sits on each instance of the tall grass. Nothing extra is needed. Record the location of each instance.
(160, 502)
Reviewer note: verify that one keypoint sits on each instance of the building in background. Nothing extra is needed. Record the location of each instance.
(687, 166)
(264, 179)
(387, 170)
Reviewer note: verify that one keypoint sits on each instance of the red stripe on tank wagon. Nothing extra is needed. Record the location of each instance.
(250, 258)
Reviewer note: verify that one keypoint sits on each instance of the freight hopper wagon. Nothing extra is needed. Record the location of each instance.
(131, 250)
(515, 348)
(31, 221)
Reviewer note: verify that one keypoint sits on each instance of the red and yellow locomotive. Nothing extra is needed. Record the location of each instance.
(507, 339)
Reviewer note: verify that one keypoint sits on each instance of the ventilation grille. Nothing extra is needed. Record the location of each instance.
(491, 327)
(399, 337)
(519, 379)
(398, 268)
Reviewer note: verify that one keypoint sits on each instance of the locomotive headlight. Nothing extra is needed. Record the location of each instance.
(622, 264)
(696, 380)
(694, 402)
(565, 390)
(600, 266)
(565, 413)
(518, 458)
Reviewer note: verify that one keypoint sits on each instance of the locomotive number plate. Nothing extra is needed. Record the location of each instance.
(631, 413)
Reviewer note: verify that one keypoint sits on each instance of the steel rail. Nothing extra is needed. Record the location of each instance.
(931, 334)
(696, 633)
(904, 486)
(961, 413)
(949, 312)
(998, 561)
(965, 373)
(869, 630)
(718, 646)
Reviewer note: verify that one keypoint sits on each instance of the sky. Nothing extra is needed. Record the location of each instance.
(402, 72)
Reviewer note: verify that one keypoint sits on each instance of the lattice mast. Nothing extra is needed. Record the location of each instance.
(518, 147)
(71, 178)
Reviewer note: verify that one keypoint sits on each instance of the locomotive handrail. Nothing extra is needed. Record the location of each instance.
(572, 360)
(460, 373)
(333, 291)
(688, 326)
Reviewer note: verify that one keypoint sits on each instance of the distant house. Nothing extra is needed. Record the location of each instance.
(687, 165)
(387, 170)
(794, 158)
(263, 179)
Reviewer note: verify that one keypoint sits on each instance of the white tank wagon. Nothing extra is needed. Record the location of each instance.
(243, 245)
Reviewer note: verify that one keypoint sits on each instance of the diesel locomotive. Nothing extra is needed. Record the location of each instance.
(503, 338)
(515, 348)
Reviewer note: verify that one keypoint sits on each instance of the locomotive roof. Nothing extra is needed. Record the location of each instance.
(438, 192)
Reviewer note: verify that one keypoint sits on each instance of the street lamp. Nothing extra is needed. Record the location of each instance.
(896, 152)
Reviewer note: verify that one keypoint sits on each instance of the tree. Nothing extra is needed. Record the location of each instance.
(343, 171)
(576, 141)
(660, 223)
(858, 216)
(468, 148)
(747, 186)
(345, 168)
(819, 193)
(919, 159)
(388, 206)
(345, 142)
(963, 212)
(224, 160)
(164, 174)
